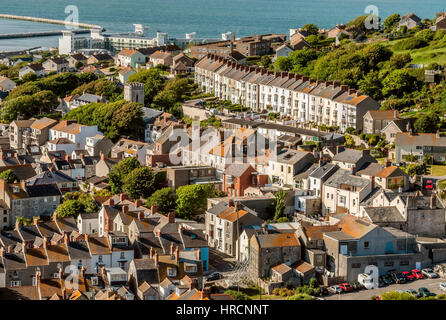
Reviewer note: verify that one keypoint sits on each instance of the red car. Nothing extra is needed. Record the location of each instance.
(417, 274)
(409, 276)
(429, 185)
(346, 287)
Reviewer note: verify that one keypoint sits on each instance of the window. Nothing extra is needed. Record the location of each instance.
(171, 272)
(100, 259)
(356, 265)
(122, 255)
(366, 244)
(55, 275)
(404, 263)
(15, 283)
(388, 263)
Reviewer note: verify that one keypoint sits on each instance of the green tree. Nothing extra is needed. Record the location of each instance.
(283, 64)
(427, 123)
(311, 28)
(120, 171)
(371, 85)
(237, 295)
(153, 83)
(265, 62)
(191, 199)
(9, 176)
(139, 183)
(279, 204)
(164, 198)
(391, 21)
(399, 82)
(70, 208)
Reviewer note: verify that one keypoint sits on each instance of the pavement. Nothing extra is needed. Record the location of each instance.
(433, 285)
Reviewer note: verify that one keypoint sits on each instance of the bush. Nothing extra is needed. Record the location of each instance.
(301, 296)
(410, 44)
(237, 295)
(313, 283)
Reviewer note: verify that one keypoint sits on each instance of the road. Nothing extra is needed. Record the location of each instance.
(433, 285)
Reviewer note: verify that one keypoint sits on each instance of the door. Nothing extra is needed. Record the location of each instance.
(389, 247)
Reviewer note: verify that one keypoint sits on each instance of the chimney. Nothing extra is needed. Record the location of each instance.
(81, 156)
(351, 91)
(35, 221)
(305, 79)
(86, 237)
(154, 209)
(67, 157)
(171, 217)
(336, 84)
(83, 271)
(140, 215)
(151, 253)
(10, 249)
(433, 201)
(125, 208)
(171, 249)
(177, 254)
(102, 156)
(138, 203)
(111, 202)
(344, 88)
(45, 242)
(372, 180)
(2, 251)
(193, 284)
(23, 184)
(230, 202)
(123, 196)
(156, 259)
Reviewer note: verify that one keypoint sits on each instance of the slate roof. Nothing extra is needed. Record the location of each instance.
(49, 177)
(237, 169)
(384, 214)
(47, 190)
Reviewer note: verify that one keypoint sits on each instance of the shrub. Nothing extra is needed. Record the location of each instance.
(410, 44)
(237, 295)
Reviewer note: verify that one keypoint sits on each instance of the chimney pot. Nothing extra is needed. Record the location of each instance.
(123, 196)
(125, 208)
(171, 217)
(111, 202)
(156, 259)
(138, 203)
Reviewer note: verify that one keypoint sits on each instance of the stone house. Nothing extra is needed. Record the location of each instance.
(268, 250)
(376, 120)
(410, 21)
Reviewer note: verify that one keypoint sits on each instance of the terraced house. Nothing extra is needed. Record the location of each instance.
(289, 94)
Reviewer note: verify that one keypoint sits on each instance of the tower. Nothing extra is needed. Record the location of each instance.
(134, 92)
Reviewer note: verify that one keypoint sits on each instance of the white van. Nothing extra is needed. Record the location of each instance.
(366, 280)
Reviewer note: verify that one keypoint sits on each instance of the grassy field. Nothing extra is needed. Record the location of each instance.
(442, 184)
(435, 52)
(437, 170)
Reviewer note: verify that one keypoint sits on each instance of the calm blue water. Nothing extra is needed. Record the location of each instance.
(208, 18)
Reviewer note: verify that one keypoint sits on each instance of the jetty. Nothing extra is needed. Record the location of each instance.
(51, 21)
(39, 34)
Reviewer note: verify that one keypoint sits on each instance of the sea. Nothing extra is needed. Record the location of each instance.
(208, 18)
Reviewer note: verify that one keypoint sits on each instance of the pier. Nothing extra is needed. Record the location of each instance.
(50, 21)
(39, 34)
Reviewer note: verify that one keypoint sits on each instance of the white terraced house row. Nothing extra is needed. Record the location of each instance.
(294, 95)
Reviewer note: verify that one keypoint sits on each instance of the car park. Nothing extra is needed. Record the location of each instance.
(408, 275)
(335, 289)
(417, 274)
(429, 273)
(346, 287)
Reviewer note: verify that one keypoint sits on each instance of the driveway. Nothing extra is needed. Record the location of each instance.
(433, 285)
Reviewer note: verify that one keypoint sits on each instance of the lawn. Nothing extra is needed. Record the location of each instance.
(442, 184)
(435, 52)
(438, 170)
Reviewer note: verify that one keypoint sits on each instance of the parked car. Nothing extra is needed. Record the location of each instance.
(429, 273)
(381, 282)
(214, 276)
(417, 274)
(398, 277)
(357, 286)
(335, 289)
(412, 292)
(424, 292)
(408, 276)
(346, 287)
(388, 279)
(443, 286)
(324, 291)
